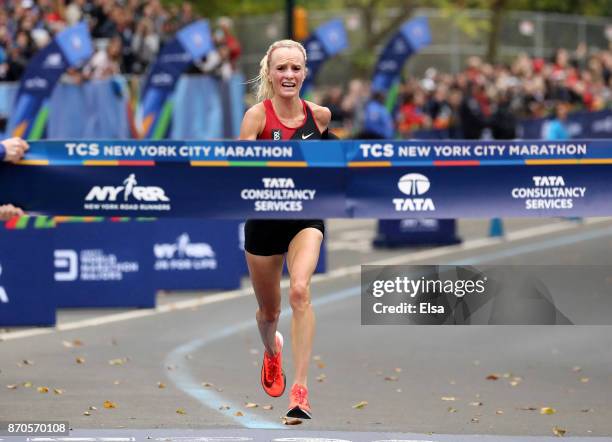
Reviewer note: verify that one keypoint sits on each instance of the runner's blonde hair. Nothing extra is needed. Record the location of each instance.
(263, 84)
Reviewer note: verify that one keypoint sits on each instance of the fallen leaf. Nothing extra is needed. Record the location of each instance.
(116, 382)
(475, 420)
(80, 360)
(316, 358)
(28, 362)
(27, 384)
(452, 410)
(577, 369)
(448, 398)
(360, 405)
(109, 404)
(207, 385)
(587, 410)
(267, 407)
(507, 375)
(291, 421)
(87, 413)
(584, 380)
(547, 410)
(251, 405)
(391, 378)
(43, 390)
(321, 365)
(12, 387)
(398, 370)
(499, 412)
(321, 377)
(92, 408)
(58, 391)
(492, 377)
(528, 408)
(161, 385)
(171, 367)
(514, 383)
(118, 361)
(238, 413)
(559, 432)
(180, 411)
(224, 407)
(476, 404)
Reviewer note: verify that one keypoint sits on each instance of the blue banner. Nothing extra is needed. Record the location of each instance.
(412, 36)
(155, 108)
(70, 48)
(196, 254)
(103, 265)
(25, 277)
(326, 41)
(313, 179)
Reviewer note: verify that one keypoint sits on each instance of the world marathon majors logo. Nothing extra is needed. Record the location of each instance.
(414, 185)
(184, 255)
(110, 197)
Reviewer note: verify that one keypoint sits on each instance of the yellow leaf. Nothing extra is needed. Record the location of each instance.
(398, 370)
(238, 413)
(27, 384)
(321, 365)
(452, 410)
(584, 380)
(109, 404)
(161, 385)
(448, 398)
(291, 421)
(559, 432)
(476, 404)
(251, 405)
(58, 391)
(43, 390)
(87, 413)
(180, 411)
(80, 360)
(360, 405)
(316, 358)
(547, 410)
(117, 361)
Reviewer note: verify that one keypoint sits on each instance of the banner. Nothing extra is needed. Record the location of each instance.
(25, 276)
(313, 179)
(326, 41)
(70, 48)
(155, 108)
(412, 36)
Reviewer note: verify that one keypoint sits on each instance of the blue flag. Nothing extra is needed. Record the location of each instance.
(412, 37)
(326, 41)
(69, 48)
(155, 108)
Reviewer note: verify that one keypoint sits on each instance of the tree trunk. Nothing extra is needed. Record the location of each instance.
(497, 11)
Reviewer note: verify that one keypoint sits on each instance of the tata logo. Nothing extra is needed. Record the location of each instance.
(129, 189)
(413, 185)
(183, 248)
(3, 296)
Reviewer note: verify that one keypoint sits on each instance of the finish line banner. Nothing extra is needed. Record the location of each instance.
(312, 179)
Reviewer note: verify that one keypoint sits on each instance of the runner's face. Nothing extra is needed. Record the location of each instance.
(287, 72)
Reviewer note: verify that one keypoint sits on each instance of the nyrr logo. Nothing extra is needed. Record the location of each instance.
(413, 185)
(129, 188)
(3, 296)
(183, 248)
(184, 255)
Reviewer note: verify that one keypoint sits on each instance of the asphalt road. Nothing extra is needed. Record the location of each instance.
(204, 350)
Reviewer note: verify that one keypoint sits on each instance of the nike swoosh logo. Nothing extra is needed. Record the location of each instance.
(304, 137)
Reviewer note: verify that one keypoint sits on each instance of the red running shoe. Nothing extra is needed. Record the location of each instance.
(298, 403)
(272, 375)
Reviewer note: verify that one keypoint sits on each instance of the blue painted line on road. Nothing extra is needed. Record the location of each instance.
(211, 399)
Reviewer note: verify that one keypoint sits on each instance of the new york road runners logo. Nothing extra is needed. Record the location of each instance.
(129, 196)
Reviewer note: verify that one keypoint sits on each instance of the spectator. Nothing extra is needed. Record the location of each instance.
(556, 129)
(106, 62)
(378, 123)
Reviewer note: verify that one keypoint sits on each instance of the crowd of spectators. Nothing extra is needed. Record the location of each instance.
(484, 95)
(127, 33)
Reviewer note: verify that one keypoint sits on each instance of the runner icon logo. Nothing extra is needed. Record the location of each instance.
(140, 193)
(413, 185)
